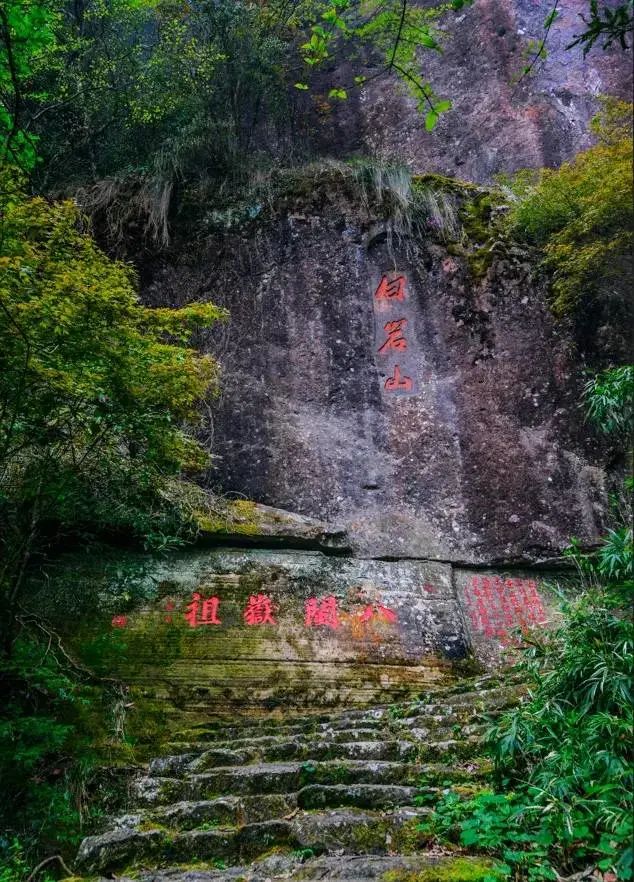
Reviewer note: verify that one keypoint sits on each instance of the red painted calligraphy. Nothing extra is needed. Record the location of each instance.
(119, 621)
(202, 612)
(170, 606)
(259, 610)
(497, 606)
(391, 289)
(397, 382)
(321, 611)
(377, 611)
(395, 336)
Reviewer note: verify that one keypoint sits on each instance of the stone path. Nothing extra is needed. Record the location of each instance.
(321, 797)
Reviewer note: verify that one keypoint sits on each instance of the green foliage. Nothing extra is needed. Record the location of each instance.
(14, 865)
(609, 399)
(53, 734)
(493, 823)
(163, 104)
(399, 31)
(611, 23)
(581, 214)
(564, 757)
(26, 35)
(94, 392)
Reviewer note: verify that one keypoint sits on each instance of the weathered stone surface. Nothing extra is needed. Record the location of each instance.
(486, 459)
(117, 848)
(297, 810)
(269, 527)
(352, 868)
(361, 795)
(391, 637)
(497, 125)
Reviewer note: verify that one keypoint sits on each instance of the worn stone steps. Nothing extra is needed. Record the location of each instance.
(343, 786)
(289, 777)
(228, 811)
(422, 867)
(409, 729)
(457, 703)
(345, 829)
(402, 750)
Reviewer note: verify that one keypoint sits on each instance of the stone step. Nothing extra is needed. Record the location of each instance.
(343, 829)
(411, 728)
(180, 764)
(367, 796)
(223, 811)
(403, 751)
(375, 744)
(422, 867)
(235, 811)
(461, 706)
(289, 777)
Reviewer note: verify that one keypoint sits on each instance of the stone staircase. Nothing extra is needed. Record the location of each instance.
(321, 797)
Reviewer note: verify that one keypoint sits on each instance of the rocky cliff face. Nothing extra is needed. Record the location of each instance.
(391, 369)
(413, 388)
(498, 124)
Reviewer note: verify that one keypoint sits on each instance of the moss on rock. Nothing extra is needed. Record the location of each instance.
(455, 869)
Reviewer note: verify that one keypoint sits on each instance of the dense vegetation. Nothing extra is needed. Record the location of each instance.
(96, 392)
(136, 110)
(564, 759)
(581, 215)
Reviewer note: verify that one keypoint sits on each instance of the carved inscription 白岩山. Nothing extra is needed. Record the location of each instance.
(391, 296)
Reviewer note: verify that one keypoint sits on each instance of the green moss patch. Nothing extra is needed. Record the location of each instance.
(458, 869)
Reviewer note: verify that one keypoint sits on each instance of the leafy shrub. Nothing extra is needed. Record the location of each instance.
(51, 720)
(609, 399)
(564, 760)
(95, 394)
(581, 214)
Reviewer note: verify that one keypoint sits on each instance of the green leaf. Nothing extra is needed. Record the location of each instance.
(550, 18)
(302, 86)
(431, 118)
(427, 40)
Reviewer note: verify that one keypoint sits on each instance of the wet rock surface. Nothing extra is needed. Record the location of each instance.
(335, 818)
(484, 457)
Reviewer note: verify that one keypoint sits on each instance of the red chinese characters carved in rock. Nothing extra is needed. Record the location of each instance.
(202, 612)
(395, 336)
(497, 605)
(321, 611)
(398, 382)
(377, 611)
(391, 289)
(119, 621)
(170, 606)
(259, 610)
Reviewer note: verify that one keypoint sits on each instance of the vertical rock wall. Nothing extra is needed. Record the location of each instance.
(499, 123)
(232, 633)
(414, 391)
